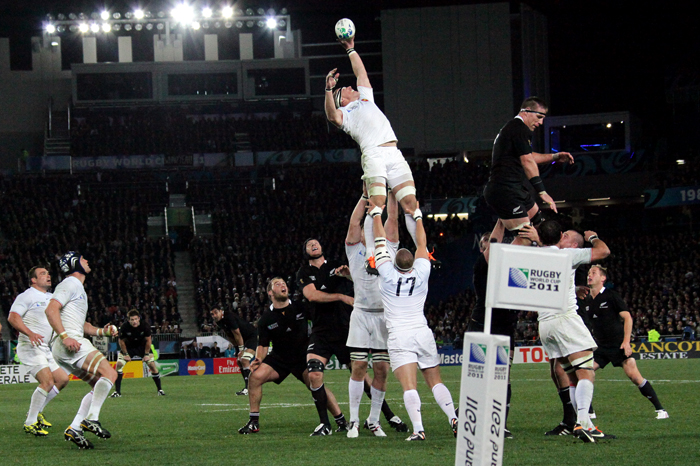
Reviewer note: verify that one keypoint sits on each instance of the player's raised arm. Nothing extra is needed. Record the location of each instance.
(358, 68)
(354, 235)
(421, 237)
(333, 115)
(600, 250)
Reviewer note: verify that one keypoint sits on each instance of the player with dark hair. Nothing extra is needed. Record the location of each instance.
(243, 335)
(321, 284)
(135, 343)
(285, 326)
(513, 161)
(355, 112)
(28, 316)
(73, 352)
(612, 330)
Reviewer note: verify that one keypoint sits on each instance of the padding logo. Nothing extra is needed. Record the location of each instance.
(477, 353)
(518, 278)
(502, 355)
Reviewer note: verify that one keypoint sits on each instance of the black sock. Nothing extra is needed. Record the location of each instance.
(156, 379)
(386, 410)
(508, 403)
(569, 413)
(321, 402)
(340, 419)
(648, 391)
(255, 417)
(591, 410)
(118, 384)
(245, 373)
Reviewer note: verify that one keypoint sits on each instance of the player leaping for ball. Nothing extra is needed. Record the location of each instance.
(355, 112)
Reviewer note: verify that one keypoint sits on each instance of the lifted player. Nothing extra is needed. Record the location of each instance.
(243, 335)
(73, 352)
(135, 342)
(28, 316)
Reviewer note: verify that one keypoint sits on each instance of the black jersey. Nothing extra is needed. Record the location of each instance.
(513, 141)
(232, 321)
(287, 329)
(135, 337)
(333, 318)
(604, 314)
(502, 320)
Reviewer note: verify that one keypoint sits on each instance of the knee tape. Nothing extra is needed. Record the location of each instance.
(585, 362)
(377, 191)
(405, 191)
(361, 356)
(315, 365)
(519, 227)
(566, 366)
(247, 356)
(380, 357)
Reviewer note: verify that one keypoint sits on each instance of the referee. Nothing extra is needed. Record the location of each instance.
(612, 329)
(135, 342)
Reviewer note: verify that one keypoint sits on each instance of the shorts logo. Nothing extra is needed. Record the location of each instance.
(502, 355)
(477, 353)
(518, 278)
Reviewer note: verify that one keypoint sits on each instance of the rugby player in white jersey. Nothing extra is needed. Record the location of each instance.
(75, 353)
(368, 331)
(355, 112)
(28, 316)
(403, 284)
(564, 335)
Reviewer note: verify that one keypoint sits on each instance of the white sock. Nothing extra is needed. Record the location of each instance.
(412, 402)
(355, 391)
(584, 396)
(377, 402)
(38, 399)
(369, 235)
(411, 227)
(101, 390)
(82, 412)
(52, 394)
(444, 400)
(572, 395)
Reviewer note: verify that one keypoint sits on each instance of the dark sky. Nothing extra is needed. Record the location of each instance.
(604, 55)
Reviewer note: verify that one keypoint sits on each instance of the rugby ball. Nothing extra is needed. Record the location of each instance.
(344, 29)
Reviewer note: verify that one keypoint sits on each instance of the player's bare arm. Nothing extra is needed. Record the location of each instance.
(532, 172)
(333, 115)
(358, 68)
(125, 353)
(627, 324)
(421, 239)
(354, 234)
(559, 157)
(600, 250)
(53, 315)
(16, 321)
(317, 296)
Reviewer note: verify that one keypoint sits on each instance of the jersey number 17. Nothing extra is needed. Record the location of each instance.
(412, 280)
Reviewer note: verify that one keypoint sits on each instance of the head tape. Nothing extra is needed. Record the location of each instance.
(70, 262)
(337, 98)
(306, 254)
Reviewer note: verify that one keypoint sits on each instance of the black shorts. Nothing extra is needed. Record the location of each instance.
(285, 367)
(136, 352)
(325, 348)
(509, 202)
(616, 356)
(252, 342)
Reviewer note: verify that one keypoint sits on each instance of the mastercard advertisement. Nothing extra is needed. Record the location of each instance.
(196, 366)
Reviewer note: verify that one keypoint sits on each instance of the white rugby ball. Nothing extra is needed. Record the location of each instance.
(344, 29)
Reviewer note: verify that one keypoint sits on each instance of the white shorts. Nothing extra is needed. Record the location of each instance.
(367, 330)
(565, 335)
(415, 345)
(387, 163)
(36, 358)
(72, 362)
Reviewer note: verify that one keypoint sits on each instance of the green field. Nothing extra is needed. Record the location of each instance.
(197, 422)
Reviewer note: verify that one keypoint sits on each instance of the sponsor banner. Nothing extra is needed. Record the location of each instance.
(450, 357)
(210, 160)
(101, 343)
(51, 163)
(15, 373)
(289, 157)
(482, 399)
(168, 347)
(165, 367)
(131, 370)
(196, 366)
(226, 366)
(461, 205)
(666, 350)
(529, 279)
(119, 162)
(342, 155)
(667, 197)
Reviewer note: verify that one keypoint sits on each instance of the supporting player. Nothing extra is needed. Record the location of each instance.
(513, 160)
(285, 325)
(321, 285)
(243, 335)
(135, 343)
(74, 353)
(404, 286)
(563, 333)
(368, 333)
(355, 112)
(612, 329)
(28, 316)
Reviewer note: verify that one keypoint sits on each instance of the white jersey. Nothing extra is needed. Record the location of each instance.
(365, 123)
(403, 295)
(70, 293)
(367, 296)
(31, 307)
(578, 257)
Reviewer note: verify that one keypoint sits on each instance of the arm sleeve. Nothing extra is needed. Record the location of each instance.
(19, 307)
(522, 141)
(63, 293)
(263, 335)
(231, 323)
(580, 256)
(302, 278)
(147, 333)
(422, 266)
(619, 303)
(366, 93)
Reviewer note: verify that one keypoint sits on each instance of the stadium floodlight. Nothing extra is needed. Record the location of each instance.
(217, 24)
(73, 28)
(183, 14)
(261, 24)
(227, 12)
(116, 15)
(83, 27)
(282, 23)
(196, 25)
(149, 26)
(261, 12)
(205, 24)
(283, 11)
(128, 15)
(116, 26)
(104, 15)
(72, 16)
(160, 26)
(250, 24)
(228, 24)
(50, 28)
(60, 28)
(61, 17)
(138, 26)
(249, 12)
(128, 27)
(139, 14)
(239, 24)
(106, 27)
(207, 12)
(271, 23)
(95, 15)
(94, 27)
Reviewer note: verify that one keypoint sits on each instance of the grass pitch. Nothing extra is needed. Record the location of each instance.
(197, 423)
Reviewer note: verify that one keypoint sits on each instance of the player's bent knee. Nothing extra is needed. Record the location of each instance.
(585, 363)
(248, 356)
(377, 191)
(315, 365)
(405, 191)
